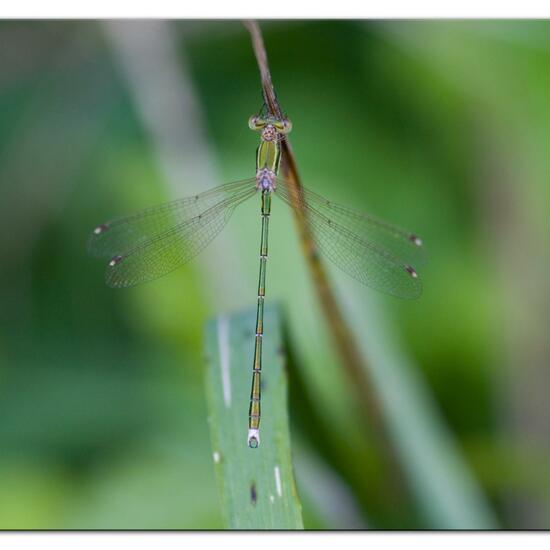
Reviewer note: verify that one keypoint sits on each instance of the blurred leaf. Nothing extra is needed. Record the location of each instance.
(33, 494)
(160, 483)
(442, 484)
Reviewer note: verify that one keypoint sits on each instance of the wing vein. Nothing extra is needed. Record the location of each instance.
(373, 252)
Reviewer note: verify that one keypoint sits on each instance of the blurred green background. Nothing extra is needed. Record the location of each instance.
(440, 127)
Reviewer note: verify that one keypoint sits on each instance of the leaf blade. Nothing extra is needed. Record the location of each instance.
(257, 487)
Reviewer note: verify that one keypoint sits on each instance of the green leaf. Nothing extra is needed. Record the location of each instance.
(256, 486)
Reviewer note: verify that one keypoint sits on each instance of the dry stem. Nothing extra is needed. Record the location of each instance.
(348, 350)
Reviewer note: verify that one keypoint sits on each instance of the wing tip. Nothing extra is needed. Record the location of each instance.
(415, 239)
(411, 271)
(417, 288)
(112, 278)
(93, 239)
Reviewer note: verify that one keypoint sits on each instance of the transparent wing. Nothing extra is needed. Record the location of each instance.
(123, 234)
(167, 236)
(373, 252)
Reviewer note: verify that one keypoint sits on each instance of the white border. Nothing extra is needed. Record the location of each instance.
(276, 541)
(281, 9)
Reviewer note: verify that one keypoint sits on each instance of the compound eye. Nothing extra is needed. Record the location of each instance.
(256, 123)
(284, 126)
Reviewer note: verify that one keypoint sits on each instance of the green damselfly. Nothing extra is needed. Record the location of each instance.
(155, 241)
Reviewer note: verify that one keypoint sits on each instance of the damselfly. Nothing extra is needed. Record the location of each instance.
(155, 241)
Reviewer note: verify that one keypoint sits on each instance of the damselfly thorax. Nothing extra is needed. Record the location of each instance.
(268, 154)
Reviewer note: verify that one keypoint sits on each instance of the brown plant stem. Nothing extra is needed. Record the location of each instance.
(351, 358)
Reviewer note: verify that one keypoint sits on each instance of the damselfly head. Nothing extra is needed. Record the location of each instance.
(262, 123)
